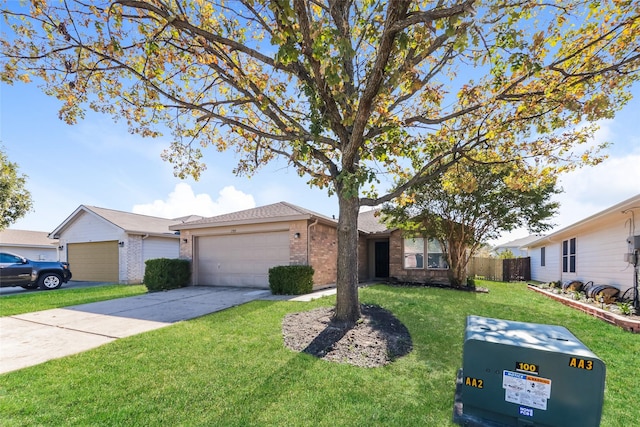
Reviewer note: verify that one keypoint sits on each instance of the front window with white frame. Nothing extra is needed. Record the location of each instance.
(435, 254)
(414, 251)
(569, 256)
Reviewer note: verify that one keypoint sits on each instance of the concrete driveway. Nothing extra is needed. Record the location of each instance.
(32, 338)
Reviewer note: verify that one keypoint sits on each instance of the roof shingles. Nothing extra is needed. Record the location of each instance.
(131, 222)
(26, 238)
(371, 222)
(261, 213)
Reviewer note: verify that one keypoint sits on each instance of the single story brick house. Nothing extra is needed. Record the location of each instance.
(35, 245)
(237, 249)
(603, 248)
(106, 245)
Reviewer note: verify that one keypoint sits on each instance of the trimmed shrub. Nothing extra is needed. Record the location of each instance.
(291, 279)
(164, 273)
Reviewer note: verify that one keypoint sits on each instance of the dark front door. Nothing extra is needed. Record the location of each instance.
(382, 259)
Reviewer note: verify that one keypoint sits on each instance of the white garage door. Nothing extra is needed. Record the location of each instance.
(240, 259)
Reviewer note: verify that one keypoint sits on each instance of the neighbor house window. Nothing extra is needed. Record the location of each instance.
(543, 256)
(435, 255)
(569, 256)
(414, 252)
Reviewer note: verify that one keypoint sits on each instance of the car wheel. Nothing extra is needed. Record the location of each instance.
(50, 281)
(29, 286)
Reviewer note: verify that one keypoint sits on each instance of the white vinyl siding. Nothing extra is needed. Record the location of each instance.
(600, 257)
(600, 249)
(89, 228)
(139, 249)
(157, 247)
(33, 253)
(550, 272)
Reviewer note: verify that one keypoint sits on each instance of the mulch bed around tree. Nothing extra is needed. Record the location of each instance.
(375, 340)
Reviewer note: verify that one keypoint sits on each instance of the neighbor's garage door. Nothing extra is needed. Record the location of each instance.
(240, 259)
(94, 262)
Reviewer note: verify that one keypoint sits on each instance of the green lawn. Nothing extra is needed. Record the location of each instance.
(231, 369)
(44, 300)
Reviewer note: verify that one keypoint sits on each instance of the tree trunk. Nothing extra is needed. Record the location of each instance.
(457, 264)
(347, 304)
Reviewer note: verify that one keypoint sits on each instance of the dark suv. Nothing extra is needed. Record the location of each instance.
(19, 271)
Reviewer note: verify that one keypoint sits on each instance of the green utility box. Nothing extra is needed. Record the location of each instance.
(527, 374)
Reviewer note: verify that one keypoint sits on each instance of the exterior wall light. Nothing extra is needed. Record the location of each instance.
(296, 236)
(121, 244)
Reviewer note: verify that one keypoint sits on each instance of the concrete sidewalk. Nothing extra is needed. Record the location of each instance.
(32, 338)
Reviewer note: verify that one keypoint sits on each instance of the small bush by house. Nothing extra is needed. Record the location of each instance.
(165, 273)
(291, 279)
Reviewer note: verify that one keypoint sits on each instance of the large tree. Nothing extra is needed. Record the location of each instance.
(346, 90)
(472, 203)
(15, 199)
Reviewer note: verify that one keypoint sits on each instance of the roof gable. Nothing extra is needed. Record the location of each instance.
(127, 221)
(131, 222)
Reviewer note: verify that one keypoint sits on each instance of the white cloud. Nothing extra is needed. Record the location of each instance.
(590, 190)
(182, 202)
(593, 189)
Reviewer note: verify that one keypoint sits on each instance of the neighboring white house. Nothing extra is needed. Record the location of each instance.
(105, 245)
(35, 245)
(600, 248)
(517, 247)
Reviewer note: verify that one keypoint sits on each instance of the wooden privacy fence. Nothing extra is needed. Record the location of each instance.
(500, 270)
(516, 269)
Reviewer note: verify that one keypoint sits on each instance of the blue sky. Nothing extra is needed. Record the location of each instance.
(97, 162)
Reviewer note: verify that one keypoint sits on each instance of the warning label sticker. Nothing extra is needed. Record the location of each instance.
(526, 390)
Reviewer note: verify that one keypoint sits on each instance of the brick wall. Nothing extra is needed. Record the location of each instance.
(323, 256)
(396, 264)
(298, 245)
(323, 248)
(186, 248)
(186, 251)
(134, 266)
(363, 259)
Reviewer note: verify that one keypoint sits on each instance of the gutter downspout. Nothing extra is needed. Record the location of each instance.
(309, 238)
